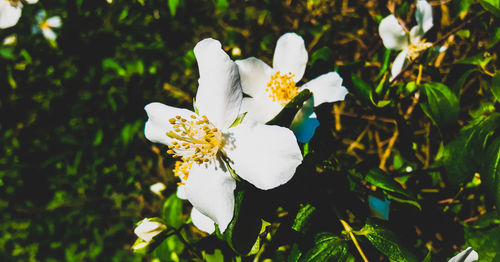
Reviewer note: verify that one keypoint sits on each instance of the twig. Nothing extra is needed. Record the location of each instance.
(353, 238)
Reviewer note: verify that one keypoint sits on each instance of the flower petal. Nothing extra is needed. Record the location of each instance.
(9, 15)
(219, 93)
(392, 34)
(266, 156)
(31, 1)
(49, 34)
(398, 63)
(290, 55)
(467, 255)
(181, 192)
(326, 88)
(158, 124)
(54, 21)
(416, 34)
(202, 222)
(423, 15)
(209, 188)
(305, 122)
(260, 109)
(254, 75)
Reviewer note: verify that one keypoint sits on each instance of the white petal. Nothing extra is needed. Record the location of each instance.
(181, 192)
(202, 222)
(158, 124)
(9, 15)
(467, 255)
(266, 156)
(423, 15)
(260, 109)
(219, 93)
(398, 63)
(290, 55)
(305, 122)
(392, 34)
(326, 88)
(31, 1)
(54, 21)
(49, 34)
(254, 75)
(416, 34)
(209, 188)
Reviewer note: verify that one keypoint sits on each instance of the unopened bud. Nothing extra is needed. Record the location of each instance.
(147, 229)
(157, 188)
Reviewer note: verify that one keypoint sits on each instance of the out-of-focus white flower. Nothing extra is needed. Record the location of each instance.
(410, 43)
(467, 255)
(45, 25)
(157, 188)
(147, 229)
(10, 12)
(10, 40)
(265, 156)
(270, 89)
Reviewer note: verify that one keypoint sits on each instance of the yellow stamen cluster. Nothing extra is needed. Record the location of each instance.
(182, 170)
(282, 88)
(416, 48)
(197, 138)
(45, 25)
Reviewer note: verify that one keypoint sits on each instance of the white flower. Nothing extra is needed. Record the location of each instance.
(467, 255)
(147, 229)
(411, 44)
(202, 222)
(270, 89)
(265, 156)
(157, 188)
(45, 25)
(10, 12)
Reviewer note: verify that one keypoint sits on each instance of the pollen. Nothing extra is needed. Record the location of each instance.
(196, 139)
(282, 88)
(182, 169)
(415, 48)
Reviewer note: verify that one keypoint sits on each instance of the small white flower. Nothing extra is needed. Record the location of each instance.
(147, 229)
(467, 255)
(265, 156)
(157, 188)
(411, 44)
(10, 12)
(46, 25)
(270, 89)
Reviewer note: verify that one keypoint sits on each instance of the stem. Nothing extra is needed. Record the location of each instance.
(353, 238)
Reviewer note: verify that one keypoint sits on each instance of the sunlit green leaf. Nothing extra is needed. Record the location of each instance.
(327, 247)
(172, 211)
(492, 6)
(303, 218)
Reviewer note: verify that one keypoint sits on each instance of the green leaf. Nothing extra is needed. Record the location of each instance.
(285, 116)
(458, 165)
(361, 88)
(238, 119)
(386, 241)
(244, 229)
(172, 211)
(458, 85)
(303, 218)
(327, 247)
(7, 53)
(324, 53)
(442, 105)
(486, 242)
(172, 5)
(479, 60)
(379, 178)
(495, 86)
(496, 37)
(492, 6)
(295, 253)
(491, 170)
(462, 6)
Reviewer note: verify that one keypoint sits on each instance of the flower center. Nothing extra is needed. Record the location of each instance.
(195, 139)
(181, 170)
(416, 48)
(45, 25)
(282, 88)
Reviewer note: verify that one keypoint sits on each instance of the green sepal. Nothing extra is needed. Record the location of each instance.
(327, 247)
(238, 119)
(286, 115)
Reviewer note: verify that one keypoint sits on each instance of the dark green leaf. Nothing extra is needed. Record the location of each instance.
(324, 53)
(492, 6)
(486, 242)
(172, 211)
(244, 229)
(361, 88)
(379, 178)
(442, 105)
(491, 170)
(479, 60)
(285, 116)
(303, 218)
(495, 86)
(386, 241)
(458, 85)
(496, 37)
(295, 253)
(462, 6)
(327, 247)
(459, 166)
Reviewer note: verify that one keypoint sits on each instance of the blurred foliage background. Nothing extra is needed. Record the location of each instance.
(75, 168)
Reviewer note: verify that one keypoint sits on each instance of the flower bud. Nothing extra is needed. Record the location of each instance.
(147, 229)
(157, 188)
